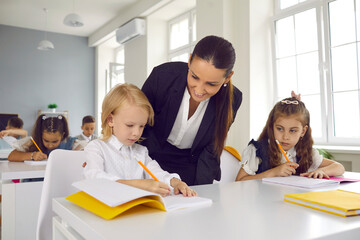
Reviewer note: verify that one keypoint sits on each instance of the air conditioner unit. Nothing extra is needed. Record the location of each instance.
(130, 30)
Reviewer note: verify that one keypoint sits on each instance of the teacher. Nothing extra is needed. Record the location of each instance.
(194, 104)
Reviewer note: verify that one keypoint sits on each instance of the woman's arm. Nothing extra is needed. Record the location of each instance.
(326, 169)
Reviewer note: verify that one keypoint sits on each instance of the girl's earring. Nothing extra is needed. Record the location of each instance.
(225, 84)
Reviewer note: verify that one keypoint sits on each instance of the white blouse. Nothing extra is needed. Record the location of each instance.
(113, 160)
(184, 131)
(250, 162)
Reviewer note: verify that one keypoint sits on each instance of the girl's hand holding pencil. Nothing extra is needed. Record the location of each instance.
(38, 156)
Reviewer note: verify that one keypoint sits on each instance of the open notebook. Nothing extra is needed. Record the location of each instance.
(303, 182)
(108, 199)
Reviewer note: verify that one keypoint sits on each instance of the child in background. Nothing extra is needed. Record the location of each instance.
(49, 133)
(125, 112)
(13, 131)
(88, 127)
(289, 123)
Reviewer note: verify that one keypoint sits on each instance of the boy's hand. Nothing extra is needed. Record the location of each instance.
(156, 187)
(181, 187)
(318, 173)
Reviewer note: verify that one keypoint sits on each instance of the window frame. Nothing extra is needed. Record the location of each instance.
(187, 48)
(325, 72)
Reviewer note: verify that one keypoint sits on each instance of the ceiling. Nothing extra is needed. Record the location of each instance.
(30, 14)
(94, 13)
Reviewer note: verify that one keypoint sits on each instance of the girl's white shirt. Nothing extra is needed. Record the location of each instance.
(113, 160)
(250, 162)
(184, 130)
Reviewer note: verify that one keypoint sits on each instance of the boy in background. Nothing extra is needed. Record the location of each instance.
(13, 131)
(88, 127)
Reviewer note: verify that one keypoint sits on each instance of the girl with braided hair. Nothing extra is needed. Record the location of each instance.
(49, 133)
(289, 124)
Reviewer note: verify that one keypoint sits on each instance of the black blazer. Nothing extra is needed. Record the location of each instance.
(165, 88)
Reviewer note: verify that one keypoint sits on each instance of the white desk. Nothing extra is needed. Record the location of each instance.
(20, 201)
(240, 210)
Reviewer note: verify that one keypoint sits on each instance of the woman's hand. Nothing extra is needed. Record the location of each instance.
(318, 173)
(284, 170)
(181, 187)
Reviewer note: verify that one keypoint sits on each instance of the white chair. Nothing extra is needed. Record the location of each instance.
(229, 164)
(63, 168)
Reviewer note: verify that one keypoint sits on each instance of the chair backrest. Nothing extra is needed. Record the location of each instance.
(229, 164)
(63, 168)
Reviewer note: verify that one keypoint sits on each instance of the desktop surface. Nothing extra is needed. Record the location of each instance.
(240, 210)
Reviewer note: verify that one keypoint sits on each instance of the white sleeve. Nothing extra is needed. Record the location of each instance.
(249, 161)
(23, 144)
(317, 159)
(155, 168)
(79, 144)
(95, 162)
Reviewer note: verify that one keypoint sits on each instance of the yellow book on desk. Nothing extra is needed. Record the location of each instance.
(339, 202)
(108, 199)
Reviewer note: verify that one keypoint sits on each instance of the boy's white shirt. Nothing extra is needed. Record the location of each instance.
(113, 160)
(250, 162)
(9, 139)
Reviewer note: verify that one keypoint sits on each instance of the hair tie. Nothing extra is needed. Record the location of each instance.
(43, 117)
(296, 102)
(60, 117)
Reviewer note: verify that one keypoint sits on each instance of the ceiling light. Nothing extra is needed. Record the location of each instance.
(45, 44)
(73, 19)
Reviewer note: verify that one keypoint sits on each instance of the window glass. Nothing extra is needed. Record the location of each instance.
(342, 21)
(344, 68)
(286, 75)
(306, 31)
(346, 112)
(285, 37)
(313, 104)
(179, 33)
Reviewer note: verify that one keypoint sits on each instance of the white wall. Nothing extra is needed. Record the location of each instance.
(135, 61)
(104, 55)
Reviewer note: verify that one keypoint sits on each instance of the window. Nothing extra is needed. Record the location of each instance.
(116, 69)
(317, 54)
(182, 36)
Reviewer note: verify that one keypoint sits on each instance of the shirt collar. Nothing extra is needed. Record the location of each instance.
(116, 143)
(85, 137)
(291, 152)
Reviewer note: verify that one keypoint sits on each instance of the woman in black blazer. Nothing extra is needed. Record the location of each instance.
(194, 103)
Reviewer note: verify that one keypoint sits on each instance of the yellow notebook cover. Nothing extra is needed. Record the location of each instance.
(108, 198)
(90, 203)
(339, 202)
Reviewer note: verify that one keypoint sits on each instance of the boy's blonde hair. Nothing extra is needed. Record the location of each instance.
(118, 96)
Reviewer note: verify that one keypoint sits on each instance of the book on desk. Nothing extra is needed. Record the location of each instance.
(108, 199)
(339, 202)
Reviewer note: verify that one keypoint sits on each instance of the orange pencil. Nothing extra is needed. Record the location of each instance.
(282, 150)
(36, 144)
(146, 169)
